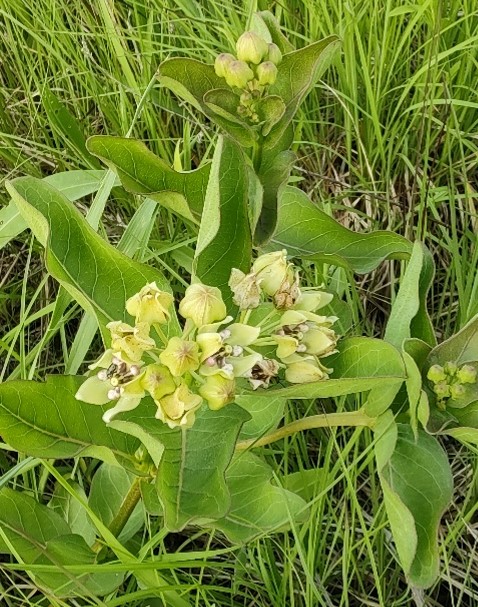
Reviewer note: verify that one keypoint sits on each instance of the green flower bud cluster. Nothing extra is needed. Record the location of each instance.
(448, 381)
(252, 71)
(216, 356)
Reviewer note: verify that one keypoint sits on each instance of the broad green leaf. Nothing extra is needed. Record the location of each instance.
(366, 357)
(413, 385)
(73, 184)
(70, 508)
(418, 487)
(257, 506)
(95, 274)
(307, 232)
(45, 420)
(40, 536)
(363, 357)
(109, 488)
(307, 483)
(270, 111)
(460, 348)
(142, 172)
(406, 303)
(191, 80)
(266, 25)
(225, 102)
(224, 240)
(190, 478)
(273, 175)
(297, 74)
(266, 413)
(418, 350)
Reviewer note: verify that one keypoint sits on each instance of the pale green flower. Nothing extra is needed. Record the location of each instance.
(222, 63)
(237, 74)
(320, 340)
(311, 301)
(202, 304)
(271, 269)
(180, 356)
(150, 305)
(132, 341)
(178, 409)
(436, 374)
(273, 53)
(266, 73)
(251, 48)
(116, 380)
(158, 381)
(467, 374)
(304, 371)
(218, 391)
(245, 289)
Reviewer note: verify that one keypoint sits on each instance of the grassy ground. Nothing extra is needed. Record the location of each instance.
(388, 140)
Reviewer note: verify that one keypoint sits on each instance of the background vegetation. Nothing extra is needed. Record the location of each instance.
(388, 140)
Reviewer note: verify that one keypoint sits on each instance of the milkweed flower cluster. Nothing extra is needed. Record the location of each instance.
(449, 381)
(250, 72)
(277, 336)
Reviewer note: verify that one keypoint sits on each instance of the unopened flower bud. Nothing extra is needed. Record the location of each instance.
(218, 391)
(457, 390)
(266, 73)
(245, 288)
(222, 63)
(442, 390)
(150, 305)
(450, 368)
(238, 74)
(467, 374)
(436, 374)
(202, 304)
(273, 53)
(251, 48)
(271, 270)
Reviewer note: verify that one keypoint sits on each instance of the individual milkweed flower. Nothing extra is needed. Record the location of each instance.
(158, 381)
(178, 409)
(222, 62)
(312, 300)
(304, 371)
(150, 305)
(288, 292)
(218, 391)
(467, 374)
(457, 391)
(271, 269)
(202, 304)
(117, 380)
(262, 373)
(238, 74)
(266, 73)
(305, 332)
(251, 48)
(131, 341)
(436, 374)
(223, 353)
(245, 289)
(273, 53)
(180, 356)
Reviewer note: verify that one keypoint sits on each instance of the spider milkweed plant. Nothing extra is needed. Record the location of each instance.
(190, 385)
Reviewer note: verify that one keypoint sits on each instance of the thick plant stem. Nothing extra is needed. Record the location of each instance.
(354, 418)
(126, 509)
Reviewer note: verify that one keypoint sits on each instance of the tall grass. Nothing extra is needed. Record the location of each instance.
(387, 140)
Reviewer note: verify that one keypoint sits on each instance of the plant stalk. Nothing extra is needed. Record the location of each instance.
(327, 420)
